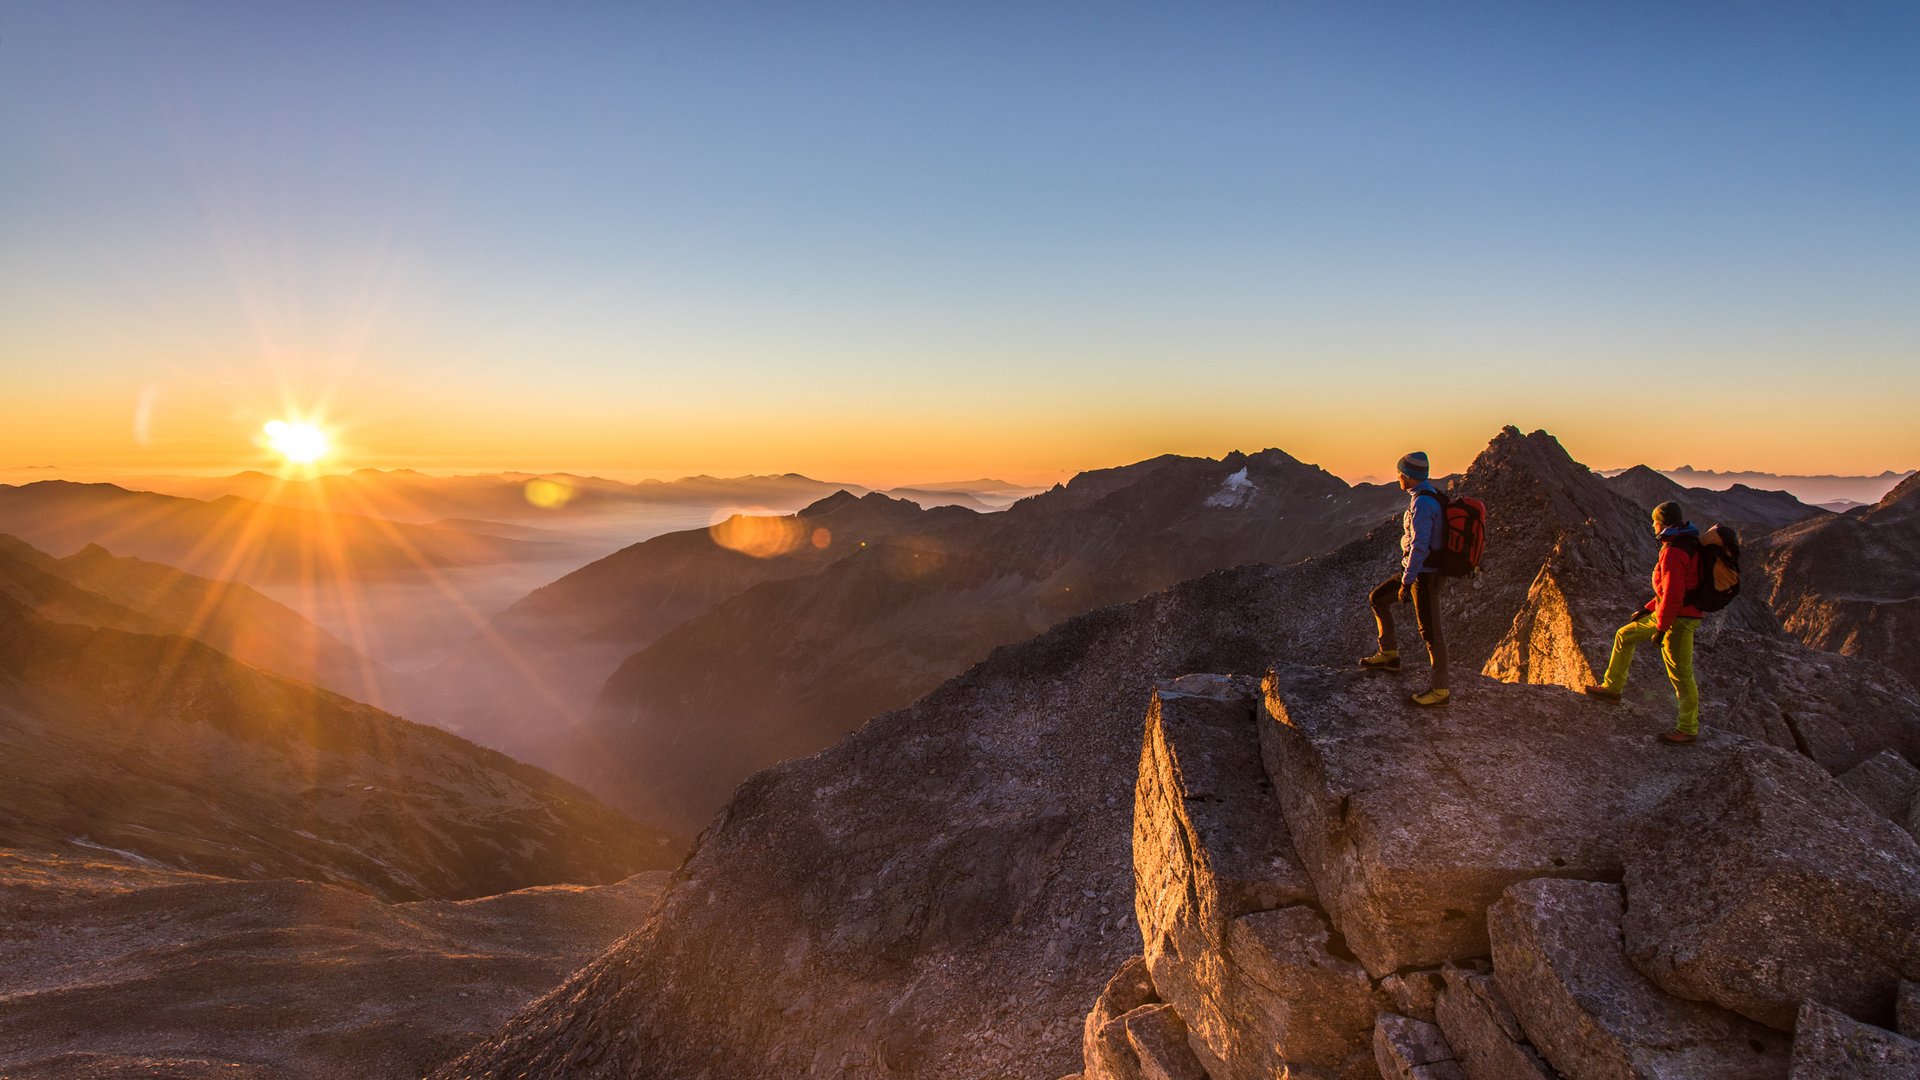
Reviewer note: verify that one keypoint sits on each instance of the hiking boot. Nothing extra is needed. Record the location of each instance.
(1382, 661)
(1601, 692)
(1430, 699)
(1676, 737)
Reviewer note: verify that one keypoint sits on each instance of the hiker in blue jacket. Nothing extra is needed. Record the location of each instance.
(1421, 536)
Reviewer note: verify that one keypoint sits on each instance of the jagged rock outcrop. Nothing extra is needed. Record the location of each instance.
(162, 749)
(943, 892)
(1224, 906)
(110, 969)
(1559, 959)
(1409, 1049)
(1830, 1045)
(1887, 783)
(1485, 1035)
(1107, 1052)
(1764, 883)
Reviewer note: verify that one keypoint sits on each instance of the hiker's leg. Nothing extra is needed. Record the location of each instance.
(1426, 610)
(1678, 653)
(1383, 599)
(1625, 640)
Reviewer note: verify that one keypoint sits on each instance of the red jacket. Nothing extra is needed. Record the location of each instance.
(1677, 572)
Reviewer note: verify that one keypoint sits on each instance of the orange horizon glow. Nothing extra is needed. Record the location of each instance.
(213, 427)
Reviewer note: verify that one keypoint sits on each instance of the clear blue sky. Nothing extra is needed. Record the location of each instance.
(1029, 236)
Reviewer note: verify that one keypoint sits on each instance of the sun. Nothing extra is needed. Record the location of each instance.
(299, 442)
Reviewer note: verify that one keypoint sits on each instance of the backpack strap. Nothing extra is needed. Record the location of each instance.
(1437, 497)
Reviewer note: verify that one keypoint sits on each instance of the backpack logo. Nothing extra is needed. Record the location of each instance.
(1462, 538)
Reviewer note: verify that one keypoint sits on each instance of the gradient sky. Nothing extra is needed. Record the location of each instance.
(908, 241)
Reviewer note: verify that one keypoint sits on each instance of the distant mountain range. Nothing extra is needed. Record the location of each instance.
(238, 539)
(1752, 511)
(422, 498)
(1813, 490)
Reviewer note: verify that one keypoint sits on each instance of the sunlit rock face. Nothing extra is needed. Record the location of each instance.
(1234, 939)
(1488, 843)
(1411, 825)
(1850, 583)
(163, 750)
(945, 892)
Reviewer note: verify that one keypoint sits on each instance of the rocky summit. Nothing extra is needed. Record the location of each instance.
(1015, 876)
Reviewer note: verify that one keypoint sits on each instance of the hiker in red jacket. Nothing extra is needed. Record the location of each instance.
(1668, 620)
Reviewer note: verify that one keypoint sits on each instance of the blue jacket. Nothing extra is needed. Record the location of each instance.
(1420, 532)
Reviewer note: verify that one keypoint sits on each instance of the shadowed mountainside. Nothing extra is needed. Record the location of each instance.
(165, 750)
(96, 588)
(786, 667)
(941, 893)
(1850, 583)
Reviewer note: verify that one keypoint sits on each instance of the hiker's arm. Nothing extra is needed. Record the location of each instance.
(1671, 594)
(1426, 536)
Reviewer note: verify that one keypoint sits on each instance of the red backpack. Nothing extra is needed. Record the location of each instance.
(1462, 539)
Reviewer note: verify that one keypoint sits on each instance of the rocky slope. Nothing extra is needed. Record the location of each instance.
(943, 892)
(532, 674)
(110, 969)
(784, 668)
(165, 750)
(1753, 511)
(1850, 583)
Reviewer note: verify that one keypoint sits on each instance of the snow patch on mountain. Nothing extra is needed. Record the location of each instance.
(1235, 490)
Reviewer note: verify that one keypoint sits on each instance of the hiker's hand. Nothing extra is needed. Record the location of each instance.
(1406, 593)
(1660, 639)
(1638, 614)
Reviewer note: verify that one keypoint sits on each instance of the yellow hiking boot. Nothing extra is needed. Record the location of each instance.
(1430, 699)
(1384, 660)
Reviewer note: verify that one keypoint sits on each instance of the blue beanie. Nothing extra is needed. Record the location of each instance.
(1414, 465)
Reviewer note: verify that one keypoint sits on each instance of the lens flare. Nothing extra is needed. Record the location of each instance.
(548, 494)
(760, 537)
(299, 442)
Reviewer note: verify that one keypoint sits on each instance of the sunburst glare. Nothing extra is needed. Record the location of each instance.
(299, 442)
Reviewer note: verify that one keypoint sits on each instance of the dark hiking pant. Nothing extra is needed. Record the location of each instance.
(1426, 612)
